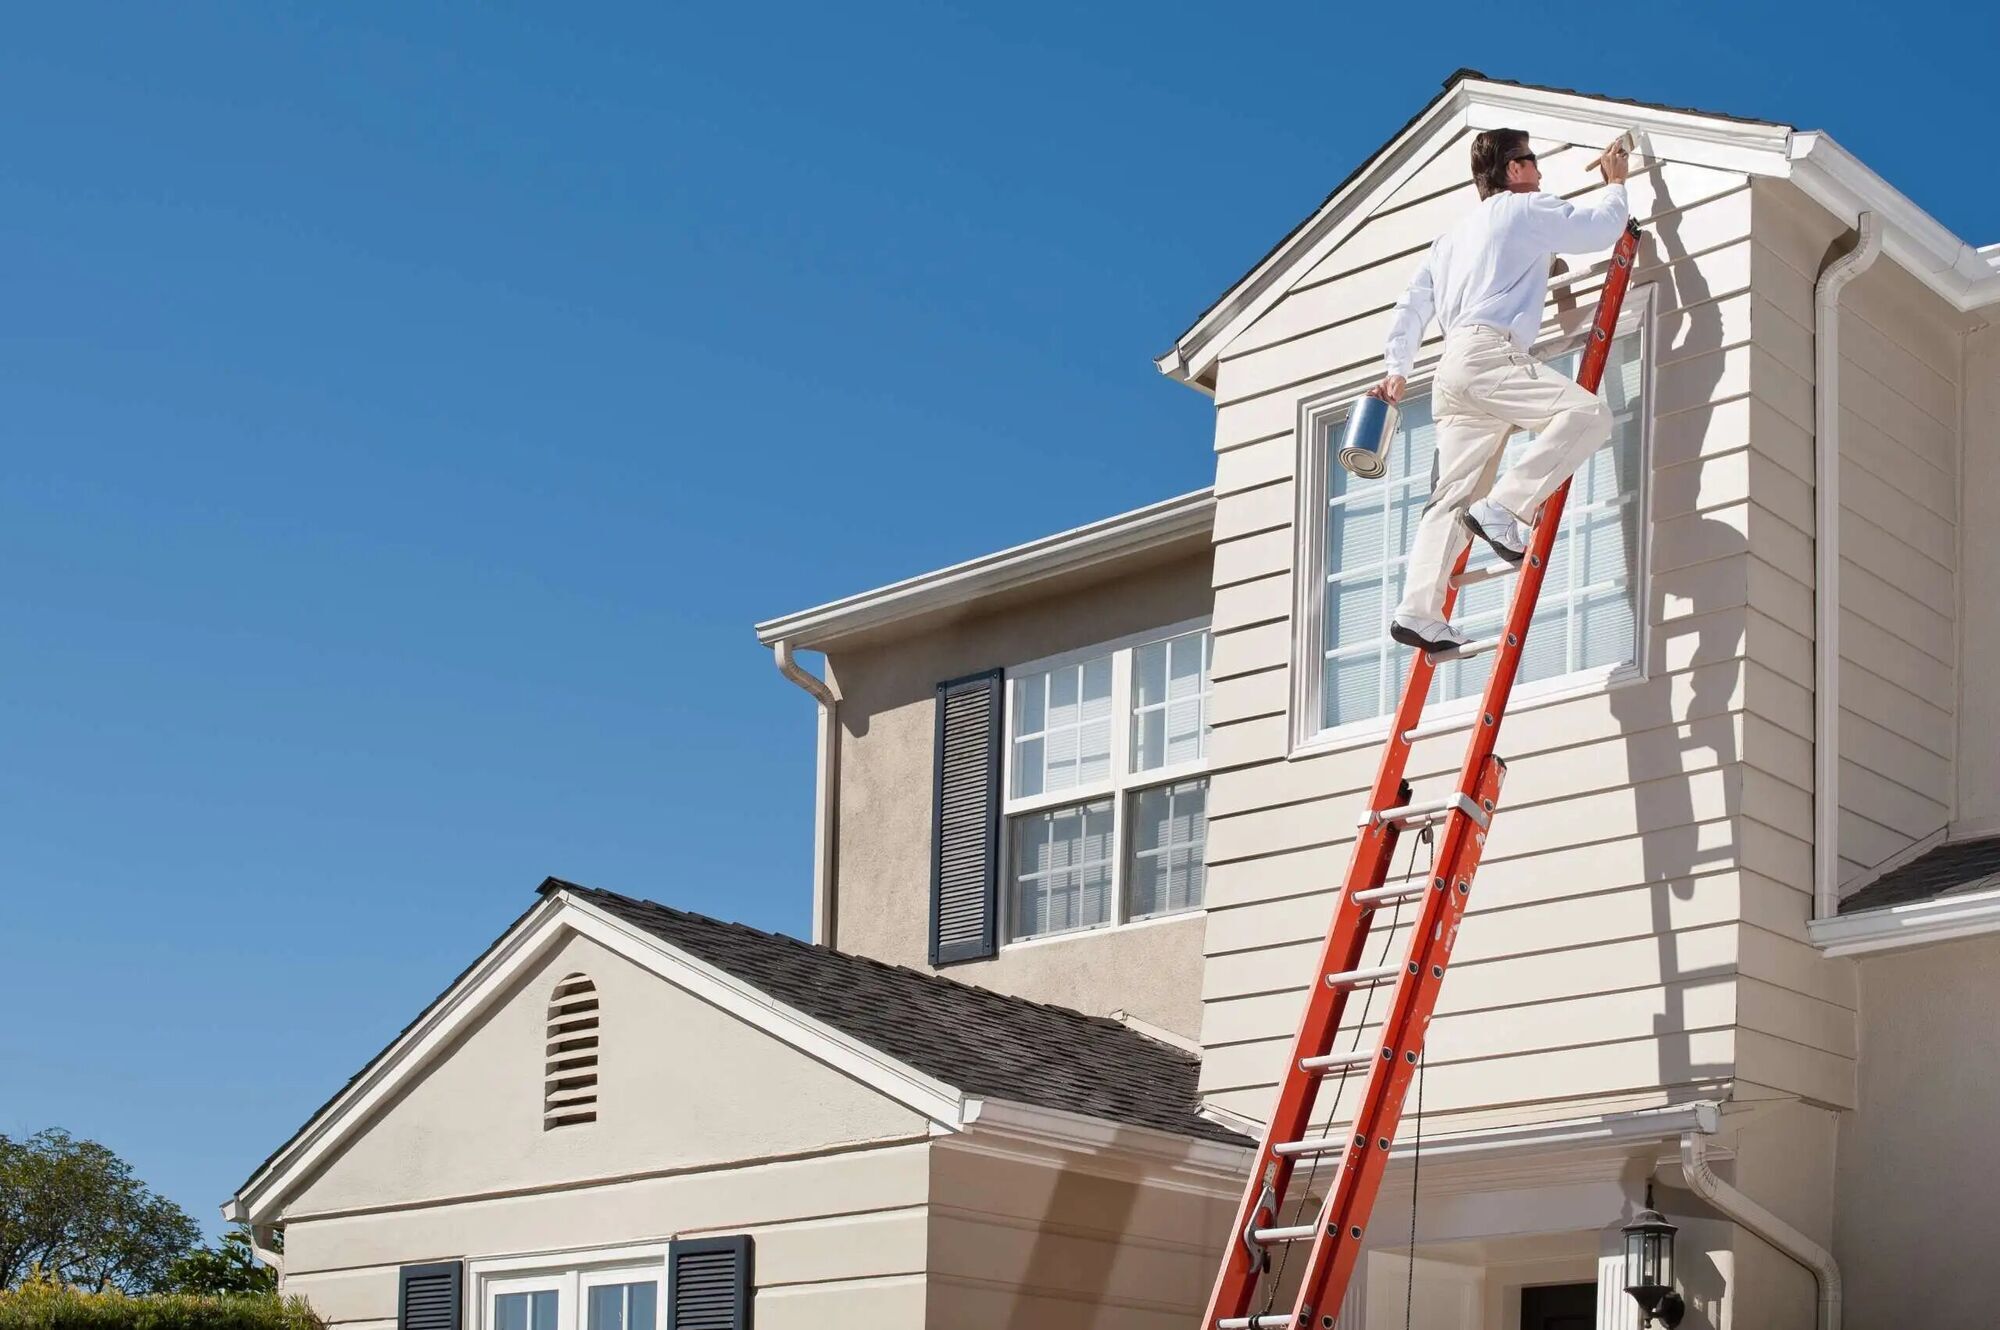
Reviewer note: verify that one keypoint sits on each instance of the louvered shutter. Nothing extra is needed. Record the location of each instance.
(430, 1297)
(708, 1284)
(965, 851)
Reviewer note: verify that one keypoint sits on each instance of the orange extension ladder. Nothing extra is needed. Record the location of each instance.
(1363, 1151)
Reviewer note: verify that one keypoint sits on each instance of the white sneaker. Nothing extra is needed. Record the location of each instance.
(1498, 528)
(1426, 634)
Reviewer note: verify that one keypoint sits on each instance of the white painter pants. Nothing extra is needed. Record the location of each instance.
(1487, 388)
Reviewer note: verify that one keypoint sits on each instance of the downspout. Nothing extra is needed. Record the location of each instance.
(826, 788)
(263, 1245)
(1826, 560)
(1703, 1182)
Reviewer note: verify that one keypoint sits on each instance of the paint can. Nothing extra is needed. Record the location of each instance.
(1371, 426)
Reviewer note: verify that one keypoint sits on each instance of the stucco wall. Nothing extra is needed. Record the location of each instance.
(705, 1125)
(1016, 1243)
(680, 1084)
(887, 711)
(1919, 1164)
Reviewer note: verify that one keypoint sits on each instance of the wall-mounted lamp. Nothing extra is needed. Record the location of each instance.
(1649, 1266)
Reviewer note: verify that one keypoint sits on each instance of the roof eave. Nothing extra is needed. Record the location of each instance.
(1126, 535)
(1968, 278)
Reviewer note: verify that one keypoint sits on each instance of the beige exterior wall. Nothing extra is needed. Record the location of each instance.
(1977, 790)
(705, 1125)
(1900, 396)
(1016, 1242)
(1918, 1161)
(1627, 845)
(888, 736)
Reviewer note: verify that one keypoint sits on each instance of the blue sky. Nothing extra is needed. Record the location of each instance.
(409, 410)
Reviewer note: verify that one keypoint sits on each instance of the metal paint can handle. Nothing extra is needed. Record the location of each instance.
(1371, 426)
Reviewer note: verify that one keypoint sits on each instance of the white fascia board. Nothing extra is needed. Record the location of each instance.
(1845, 187)
(1682, 136)
(1155, 525)
(538, 932)
(1195, 354)
(1919, 923)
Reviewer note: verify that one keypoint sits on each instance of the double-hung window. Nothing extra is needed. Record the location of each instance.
(1356, 537)
(1106, 791)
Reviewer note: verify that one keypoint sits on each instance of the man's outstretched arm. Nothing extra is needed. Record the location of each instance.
(1406, 331)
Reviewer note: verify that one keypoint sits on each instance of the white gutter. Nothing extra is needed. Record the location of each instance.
(1826, 560)
(1703, 1182)
(826, 789)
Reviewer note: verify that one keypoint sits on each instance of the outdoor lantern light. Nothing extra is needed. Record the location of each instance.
(1649, 1266)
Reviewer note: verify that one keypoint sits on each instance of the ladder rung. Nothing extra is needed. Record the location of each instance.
(1323, 1145)
(1474, 576)
(1360, 1057)
(1431, 728)
(1430, 810)
(1255, 1323)
(1299, 1233)
(1402, 891)
(1374, 974)
(1469, 650)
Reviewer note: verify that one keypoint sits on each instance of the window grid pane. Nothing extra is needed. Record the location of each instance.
(1170, 701)
(1169, 839)
(1587, 616)
(1061, 869)
(1062, 728)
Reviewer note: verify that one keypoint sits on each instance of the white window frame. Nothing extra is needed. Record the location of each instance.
(1121, 786)
(569, 1275)
(1308, 737)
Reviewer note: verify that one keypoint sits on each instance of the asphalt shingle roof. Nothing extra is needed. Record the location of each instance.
(983, 1043)
(1948, 870)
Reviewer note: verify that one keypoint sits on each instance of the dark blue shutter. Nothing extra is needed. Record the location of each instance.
(430, 1297)
(708, 1284)
(965, 836)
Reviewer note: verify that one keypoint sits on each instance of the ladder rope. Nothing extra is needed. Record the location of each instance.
(1277, 1279)
(1416, 1174)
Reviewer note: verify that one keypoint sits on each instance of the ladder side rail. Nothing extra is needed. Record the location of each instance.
(1319, 1023)
(1335, 1250)
(1344, 1218)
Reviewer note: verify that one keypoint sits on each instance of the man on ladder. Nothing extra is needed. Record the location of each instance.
(1486, 280)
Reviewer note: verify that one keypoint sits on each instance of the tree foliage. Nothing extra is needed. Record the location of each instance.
(229, 1268)
(73, 1211)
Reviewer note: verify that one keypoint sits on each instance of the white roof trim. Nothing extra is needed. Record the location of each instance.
(1916, 924)
(537, 933)
(1128, 533)
(1948, 265)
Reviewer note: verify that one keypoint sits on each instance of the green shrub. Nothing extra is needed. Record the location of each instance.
(45, 1306)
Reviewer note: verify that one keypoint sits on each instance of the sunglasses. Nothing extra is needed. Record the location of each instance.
(1523, 157)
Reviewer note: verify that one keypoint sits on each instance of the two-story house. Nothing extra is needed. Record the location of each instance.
(1081, 806)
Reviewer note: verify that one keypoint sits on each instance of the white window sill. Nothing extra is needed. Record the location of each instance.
(1529, 697)
(1100, 930)
(1919, 923)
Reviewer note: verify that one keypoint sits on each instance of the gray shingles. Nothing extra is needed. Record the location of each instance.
(1948, 870)
(986, 1044)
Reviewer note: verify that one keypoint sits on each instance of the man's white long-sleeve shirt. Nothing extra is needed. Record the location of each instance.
(1492, 266)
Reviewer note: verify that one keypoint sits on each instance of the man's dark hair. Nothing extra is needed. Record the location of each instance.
(1491, 152)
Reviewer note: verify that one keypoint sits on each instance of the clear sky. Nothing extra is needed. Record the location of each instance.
(408, 410)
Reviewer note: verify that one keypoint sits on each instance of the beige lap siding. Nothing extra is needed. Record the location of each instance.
(1899, 402)
(1638, 927)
